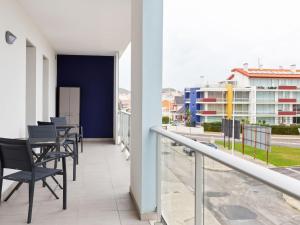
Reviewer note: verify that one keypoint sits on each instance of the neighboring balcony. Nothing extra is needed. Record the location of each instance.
(211, 100)
(207, 112)
(241, 100)
(265, 114)
(241, 113)
(287, 100)
(287, 87)
(287, 113)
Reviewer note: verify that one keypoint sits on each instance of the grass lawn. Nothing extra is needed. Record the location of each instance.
(279, 156)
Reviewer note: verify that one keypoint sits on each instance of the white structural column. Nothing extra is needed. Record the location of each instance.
(116, 98)
(146, 84)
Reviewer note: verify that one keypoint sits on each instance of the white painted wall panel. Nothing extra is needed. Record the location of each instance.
(13, 69)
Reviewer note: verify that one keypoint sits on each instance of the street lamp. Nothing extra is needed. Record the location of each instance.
(233, 115)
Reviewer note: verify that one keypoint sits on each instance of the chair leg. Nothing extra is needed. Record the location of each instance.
(81, 142)
(76, 144)
(1, 183)
(77, 153)
(64, 183)
(13, 191)
(50, 189)
(74, 166)
(56, 181)
(31, 194)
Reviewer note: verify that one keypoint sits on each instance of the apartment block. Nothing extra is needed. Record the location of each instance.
(271, 96)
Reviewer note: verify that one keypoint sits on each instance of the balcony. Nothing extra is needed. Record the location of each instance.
(287, 100)
(207, 112)
(99, 196)
(208, 99)
(287, 87)
(287, 113)
(211, 100)
(241, 100)
(209, 188)
(238, 113)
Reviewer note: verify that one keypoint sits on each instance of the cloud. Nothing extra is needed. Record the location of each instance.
(209, 38)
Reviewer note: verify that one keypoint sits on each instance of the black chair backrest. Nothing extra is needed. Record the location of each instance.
(42, 123)
(15, 154)
(59, 121)
(46, 133)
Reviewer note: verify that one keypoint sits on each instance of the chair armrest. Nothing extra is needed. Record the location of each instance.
(73, 134)
(53, 156)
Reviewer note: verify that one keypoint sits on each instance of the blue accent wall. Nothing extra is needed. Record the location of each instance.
(190, 98)
(95, 77)
(193, 105)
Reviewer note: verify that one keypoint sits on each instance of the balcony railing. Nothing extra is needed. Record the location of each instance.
(211, 100)
(265, 101)
(241, 112)
(287, 87)
(208, 112)
(287, 113)
(241, 100)
(287, 100)
(124, 131)
(201, 185)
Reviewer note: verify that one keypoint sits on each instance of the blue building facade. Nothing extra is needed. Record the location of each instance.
(190, 101)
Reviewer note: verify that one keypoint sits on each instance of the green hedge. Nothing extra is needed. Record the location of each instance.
(213, 127)
(276, 129)
(285, 130)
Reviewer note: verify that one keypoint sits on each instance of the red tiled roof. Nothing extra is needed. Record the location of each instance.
(267, 73)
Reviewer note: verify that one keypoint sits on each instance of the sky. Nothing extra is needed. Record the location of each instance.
(204, 40)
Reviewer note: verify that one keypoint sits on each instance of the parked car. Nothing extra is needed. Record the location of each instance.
(175, 123)
(173, 143)
(209, 144)
(188, 150)
(191, 152)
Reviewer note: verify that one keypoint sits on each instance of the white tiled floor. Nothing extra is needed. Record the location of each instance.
(100, 196)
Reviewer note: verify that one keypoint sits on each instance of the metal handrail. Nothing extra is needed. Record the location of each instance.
(124, 131)
(283, 183)
(125, 112)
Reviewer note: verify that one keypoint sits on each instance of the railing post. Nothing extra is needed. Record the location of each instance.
(199, 189)
(158, 175)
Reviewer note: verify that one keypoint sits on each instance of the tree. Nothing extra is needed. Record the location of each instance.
(165, 120)
(188, 119)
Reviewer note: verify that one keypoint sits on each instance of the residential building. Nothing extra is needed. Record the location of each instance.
(264, 95)
(167, 106)
(178, 108)
(49, 44)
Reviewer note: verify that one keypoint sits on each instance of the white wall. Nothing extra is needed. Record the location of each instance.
(242, 80)
(31, 85)
(13, 69)
(45, 97)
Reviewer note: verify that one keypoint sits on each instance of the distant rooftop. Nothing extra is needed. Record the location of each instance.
(267, 73)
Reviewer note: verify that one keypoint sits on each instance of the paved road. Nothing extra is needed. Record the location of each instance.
(230, 197)
(280, 140)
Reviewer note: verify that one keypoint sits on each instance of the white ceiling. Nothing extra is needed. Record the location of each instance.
(86, 27)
